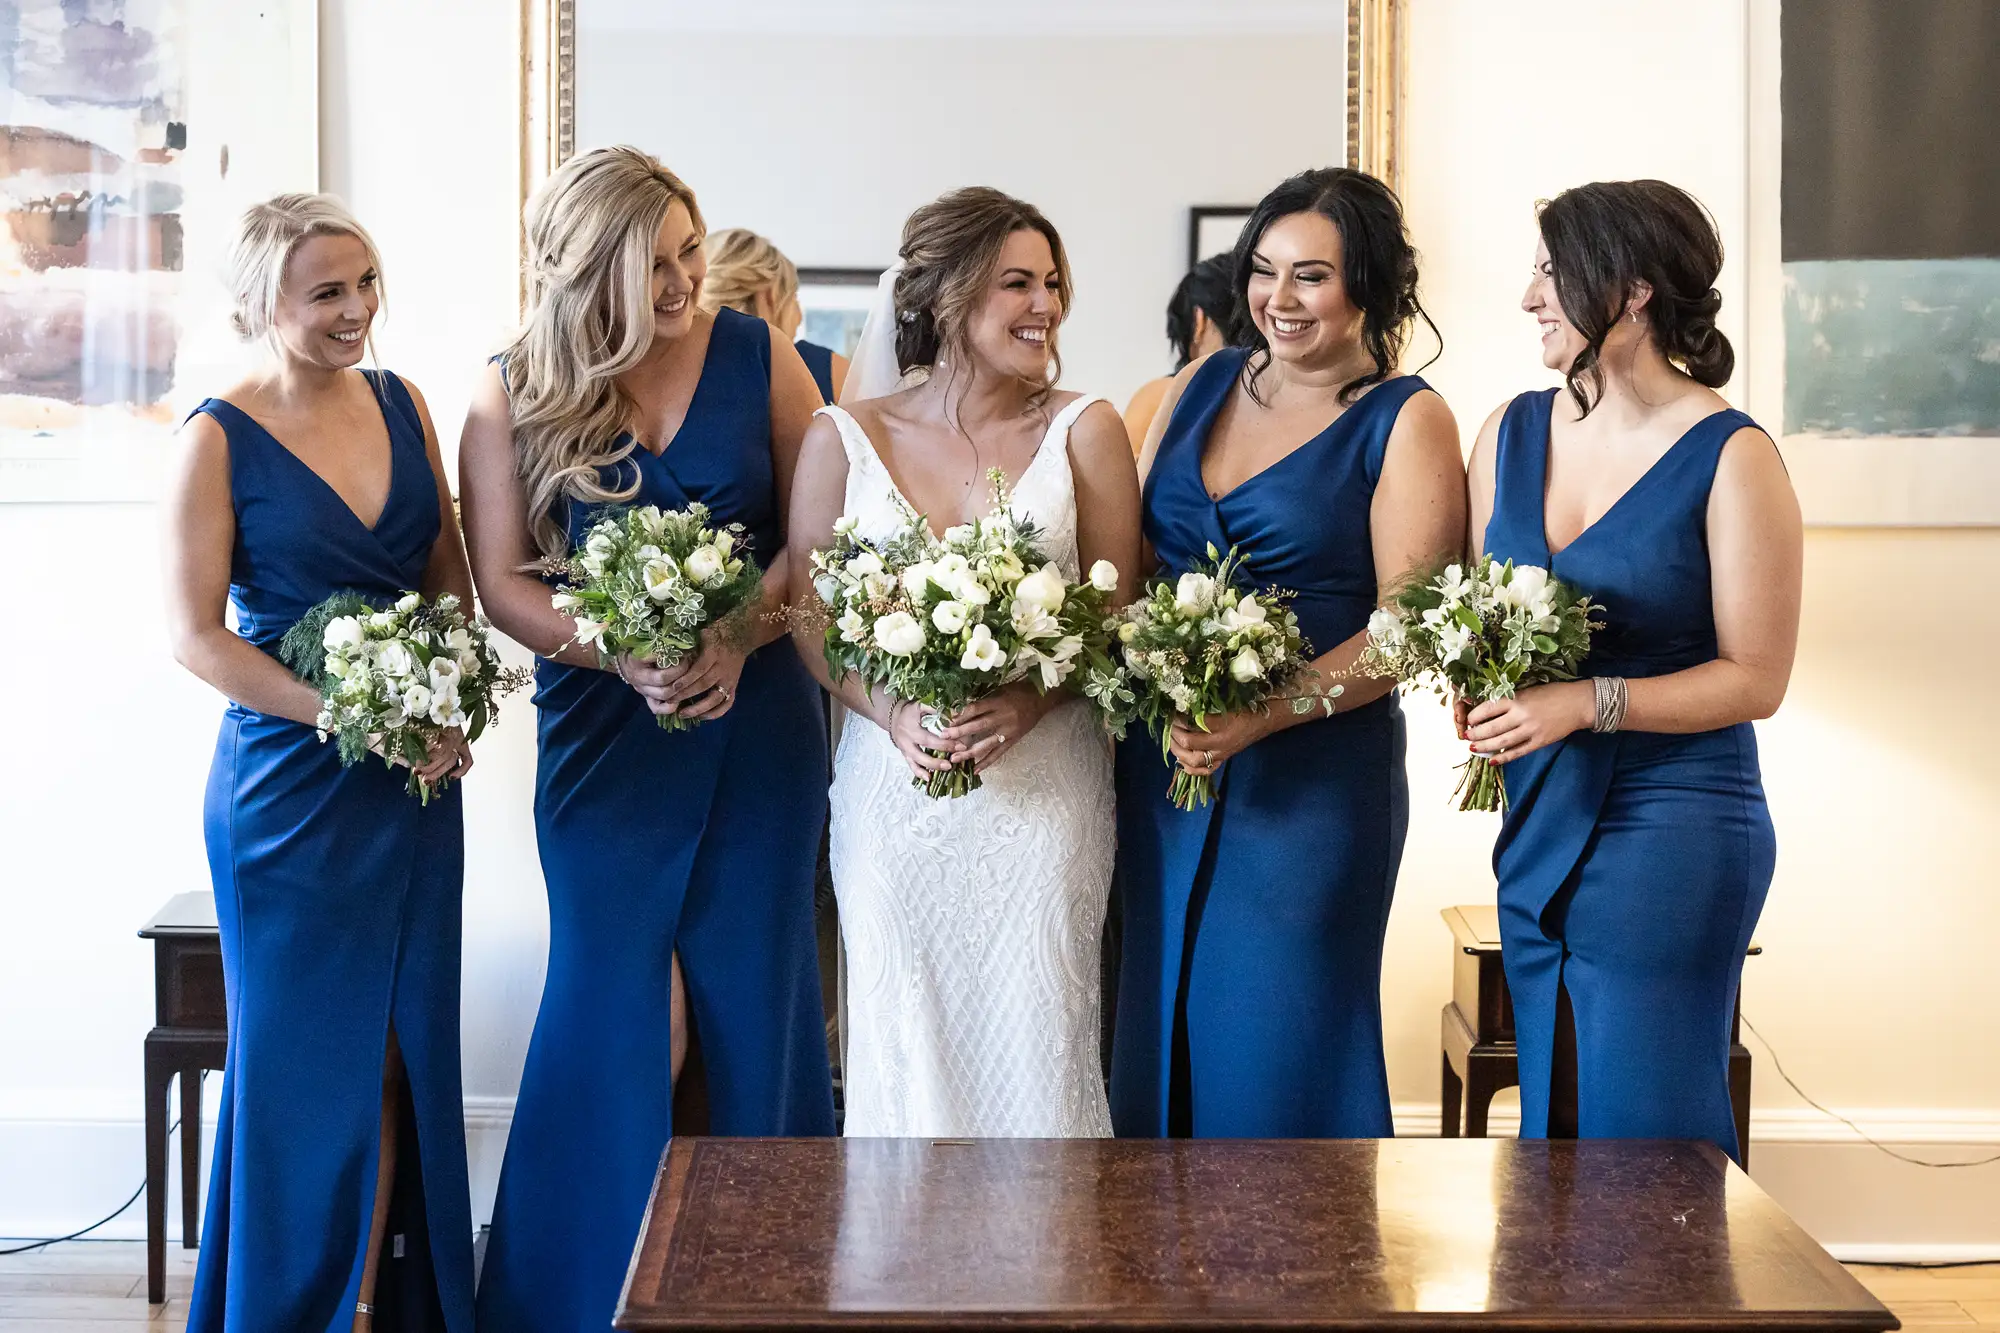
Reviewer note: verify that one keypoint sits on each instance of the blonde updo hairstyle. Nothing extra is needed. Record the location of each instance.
(591, 228)
(742, 264)
(949, 250)
(266, 236)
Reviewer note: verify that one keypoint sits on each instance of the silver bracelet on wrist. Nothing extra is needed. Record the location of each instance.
(1610, 695)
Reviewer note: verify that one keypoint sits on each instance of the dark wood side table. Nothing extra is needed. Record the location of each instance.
(190, 1034)
(1206, 1235)
(1478, 1037)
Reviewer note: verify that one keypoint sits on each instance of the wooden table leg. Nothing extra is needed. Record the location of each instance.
(190, 1157)
(1739, 1098)
(1454, 1092)
(159, 1073)
(1480, 1088)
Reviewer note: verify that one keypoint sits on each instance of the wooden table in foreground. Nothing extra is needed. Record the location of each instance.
(803, 1234)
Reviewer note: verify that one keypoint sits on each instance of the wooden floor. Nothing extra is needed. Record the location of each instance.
(86, 1286)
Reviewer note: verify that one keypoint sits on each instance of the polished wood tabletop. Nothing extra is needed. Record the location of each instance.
(1151, 1234)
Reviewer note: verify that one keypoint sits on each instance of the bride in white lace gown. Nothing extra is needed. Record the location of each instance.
(972, 925)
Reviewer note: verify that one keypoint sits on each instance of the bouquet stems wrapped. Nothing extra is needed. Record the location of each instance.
(942, 621)
(1481, 632)
(647, 581)
(1202, 645)
(392, 679)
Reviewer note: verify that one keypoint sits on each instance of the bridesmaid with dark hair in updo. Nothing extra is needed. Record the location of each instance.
(1637, 848)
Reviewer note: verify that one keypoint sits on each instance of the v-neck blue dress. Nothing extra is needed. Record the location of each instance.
(338, 898)
(701, 840)
(1632, 866)
(1249, 994)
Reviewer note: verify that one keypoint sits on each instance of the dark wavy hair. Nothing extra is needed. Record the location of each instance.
(949, 249)
(1606, 238)
(1378, 267)
(1205, 287)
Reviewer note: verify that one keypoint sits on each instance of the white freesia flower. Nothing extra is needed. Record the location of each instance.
(1245, 614)
(878, 585)
(704, 565)
(950, 617)
(1044, 588)
(658, 577)
(1385, 628)
(982, 651)
(1246, 666)
(1453, 583)
(1194, 593)
(343, 632)
(853, 626)
(590, 632)
(1032, 621)
(1104, 576)
(899, 635)
(1453, 640)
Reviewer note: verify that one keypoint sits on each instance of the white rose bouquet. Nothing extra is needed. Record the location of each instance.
(647, 581)
(1481, 632)
(944, 621)
(391, 680)
(1202, 645)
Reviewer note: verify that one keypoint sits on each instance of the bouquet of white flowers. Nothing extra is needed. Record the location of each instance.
(647, 581)
(1482, 632)
(1200, 646)
(390, 681)
(944, 621)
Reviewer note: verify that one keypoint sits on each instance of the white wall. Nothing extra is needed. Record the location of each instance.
(1876, 979)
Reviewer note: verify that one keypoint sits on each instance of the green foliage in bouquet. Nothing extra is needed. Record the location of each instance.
(942, 621)
(392, 678)
(648, 581)
(1479, 633)
(1203, 645)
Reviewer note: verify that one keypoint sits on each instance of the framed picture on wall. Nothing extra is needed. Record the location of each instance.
(835, 304)
(129, 150)
(1213, 228)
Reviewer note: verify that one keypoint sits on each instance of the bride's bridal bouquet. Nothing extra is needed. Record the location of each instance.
(1481, 632)
(1200, 646)
(943, 621)
(392, 679)
(647, 581)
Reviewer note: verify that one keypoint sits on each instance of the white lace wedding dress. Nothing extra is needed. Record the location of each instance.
(972, 925)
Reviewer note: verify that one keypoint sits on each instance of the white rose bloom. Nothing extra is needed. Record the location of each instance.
(704, 565)
(469, 665)
(1245, 666)
(416, 701)
(853, 626)
(724, 543)
(899, 635)
(917, 578)
(1104, 576)
(1453, 640)
(1194, 593)
(658, 577)
(982, 652)
(343, 632)
(877, 586)
(861, 566)
(961, 534)
(950, 617)
(971, 591)
(845, 525)
(1044, 588)
(1528, 585)
(408, 602)
(395, 660)
(336, 666)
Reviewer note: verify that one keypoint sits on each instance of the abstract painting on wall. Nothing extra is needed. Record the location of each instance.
(119, 171)
(1891, 218)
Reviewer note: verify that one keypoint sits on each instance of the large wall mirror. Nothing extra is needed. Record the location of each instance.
(1136, 125)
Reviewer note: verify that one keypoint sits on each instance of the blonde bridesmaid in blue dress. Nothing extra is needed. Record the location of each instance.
(1636, 851)
(697, 845)
(337, 893)
(1249, 997)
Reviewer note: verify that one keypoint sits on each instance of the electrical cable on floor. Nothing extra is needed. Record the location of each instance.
(1865, 1136)
(75, 1235)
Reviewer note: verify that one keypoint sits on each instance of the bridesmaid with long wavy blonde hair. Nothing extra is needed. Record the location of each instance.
(698, 842)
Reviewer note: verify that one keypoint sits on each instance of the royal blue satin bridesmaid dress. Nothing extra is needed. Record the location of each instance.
(338, 898)
(1249, 995)
(1633, 865)
(701, 840)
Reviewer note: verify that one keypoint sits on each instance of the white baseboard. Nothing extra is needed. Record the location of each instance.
(65, 1161)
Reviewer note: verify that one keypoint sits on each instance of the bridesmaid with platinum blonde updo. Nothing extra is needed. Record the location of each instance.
(337, 893)
(655, 844)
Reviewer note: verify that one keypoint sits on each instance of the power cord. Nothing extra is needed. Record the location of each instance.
(1864, 1136)
(77, 1235)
